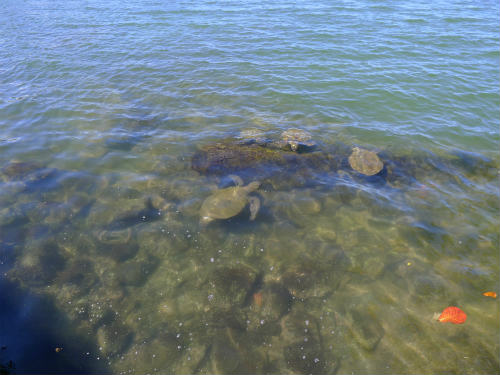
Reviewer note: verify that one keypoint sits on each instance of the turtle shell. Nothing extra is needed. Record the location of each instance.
(253, 135)
(297, 139)
(296, 135)
(224, 203)
(365, 162)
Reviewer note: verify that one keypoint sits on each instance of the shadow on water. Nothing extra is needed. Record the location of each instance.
(36, 338)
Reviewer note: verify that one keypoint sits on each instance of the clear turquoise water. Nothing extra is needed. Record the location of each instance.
(104, 106)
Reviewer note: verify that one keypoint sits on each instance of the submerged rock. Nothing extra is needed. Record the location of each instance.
(315, 275)
(126, 220)
(233, 354)
(135, 272)
(230, 286)
(117, 244)
(272, 166)
(192, 360)
(39, 266)
(79, 274)
(267, 307)
(303, 348)
(272, 302)
(17, 170)
(123, 142)
(223, 158)
(226, 356)
(114, 338)
(365, 328)
(475, 164)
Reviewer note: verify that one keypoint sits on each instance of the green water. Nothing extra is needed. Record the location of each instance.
(118, 121)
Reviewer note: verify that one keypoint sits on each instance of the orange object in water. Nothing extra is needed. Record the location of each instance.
(257, 299)
(452, 314)
(490, 294)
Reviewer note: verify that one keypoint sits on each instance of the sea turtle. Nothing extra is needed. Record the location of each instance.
(365, 162)
(228, 202)
(297, 140)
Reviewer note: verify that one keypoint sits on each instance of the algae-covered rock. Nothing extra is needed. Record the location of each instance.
(79, 274)
(226, 356)
(131, 218)
(39, 265)
(272, 302)
(117, 244)
(267, 307)
(315, 275)
(114, 338)
(366, 264)
(223, 158)
(18, 170)
(271, 165)
(135, 272)
(230, 285)
(192, 359)
(158, 354)
(303, 348)
(232, 353)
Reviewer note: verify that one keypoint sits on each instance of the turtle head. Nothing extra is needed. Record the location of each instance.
(294, 145)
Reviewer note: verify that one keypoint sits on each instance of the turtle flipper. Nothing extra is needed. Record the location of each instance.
(254, 206)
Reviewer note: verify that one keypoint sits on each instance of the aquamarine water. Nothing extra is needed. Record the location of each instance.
(118, 120)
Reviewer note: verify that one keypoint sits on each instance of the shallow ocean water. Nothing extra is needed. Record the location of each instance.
(118, 120)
